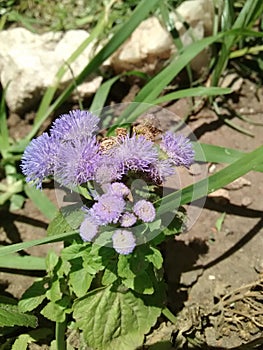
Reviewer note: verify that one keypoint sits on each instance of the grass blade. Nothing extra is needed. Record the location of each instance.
(102, 94)
(218, 180)
(192, 92)
(22, 262)
(13, 248)
(41, 201)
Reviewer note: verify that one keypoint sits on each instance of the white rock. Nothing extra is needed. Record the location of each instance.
(151, 44)
(30, 62)
(148, 45)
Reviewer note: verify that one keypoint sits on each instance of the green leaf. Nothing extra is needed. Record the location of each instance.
(80, 281)
(97, 258)
(17, 201)
(41, 201)
(141, 283)
(51, 261)
(57, 311)
(54, 293)
(22, 341)
(116, 320)
(33, 296)
(75, 251)
(67, 218)
(11, 316)
(110, 274)
(155, 257)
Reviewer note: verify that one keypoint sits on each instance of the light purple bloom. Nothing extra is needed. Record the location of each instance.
(134, 153)
(178, 149)
(75, 125)
(38, 159)
(88, 229)
(108, 209)
(123, 242)
(77, 162)
(107, 171)
(127, 219)
(119, 189)
(161, 170)
(144, 210)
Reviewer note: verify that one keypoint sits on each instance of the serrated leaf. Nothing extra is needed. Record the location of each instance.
(155, 257)
(21, 342)
(75, 251)
(11, 316)
(68, 218)
(54, 293)
(97, 258)
(130, 266)
(155, 225)
(51, 261)
(33, 296)
(141, 283)
(57, 311)
(110, 274)
(80, 281)
(115, 320)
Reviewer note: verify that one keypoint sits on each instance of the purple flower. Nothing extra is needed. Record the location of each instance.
(108, 209)
(107, 171)
(161, 169)
(134, 153)
(88, 229)
(77, 162)
(127, 219)
(119, 189)
(75, 125)
(178, 149)
(123, 242)
(144, 210)
(38, 159)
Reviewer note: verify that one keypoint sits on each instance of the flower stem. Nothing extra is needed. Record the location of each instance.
(60, 335)
(168, 314)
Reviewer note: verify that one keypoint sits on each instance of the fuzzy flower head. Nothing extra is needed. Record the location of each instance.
(128, 219)
(75, 125)
(108, 209)
(77, 162)
(134, 153)
(38, 159)
(119, 189)
(160, 170)
(178, 149)
(144, 210)
(123, 242)
(88, 229)
(107, 171)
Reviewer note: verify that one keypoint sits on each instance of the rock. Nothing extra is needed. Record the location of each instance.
(237, 184)
(147, 48)
(246, 201)
(151, 44)
(30, 62)
(220, 196)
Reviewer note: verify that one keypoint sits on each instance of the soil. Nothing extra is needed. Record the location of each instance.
(214, 274)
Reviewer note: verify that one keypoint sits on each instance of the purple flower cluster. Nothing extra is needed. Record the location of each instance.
(70, 153)
(113, 207)
(73, 156)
